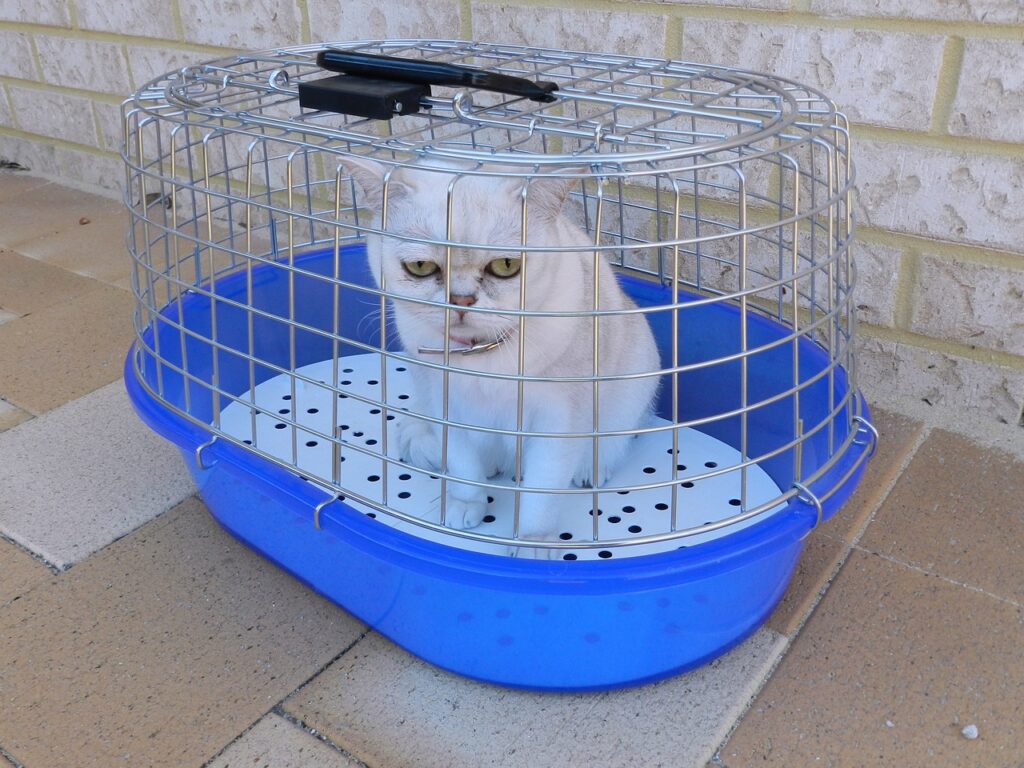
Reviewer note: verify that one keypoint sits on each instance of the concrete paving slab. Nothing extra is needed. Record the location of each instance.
(65, 351)
(19, 572)
(79, 477)
(11, 416)
(390, 709)
(957, 512)
(159, 650)
(892, 664)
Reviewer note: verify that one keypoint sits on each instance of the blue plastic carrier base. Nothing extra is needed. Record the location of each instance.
(560, 625)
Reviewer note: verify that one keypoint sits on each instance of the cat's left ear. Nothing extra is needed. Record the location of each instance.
(369, 178)
(547, 193)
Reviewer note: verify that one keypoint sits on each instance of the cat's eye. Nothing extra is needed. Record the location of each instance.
(504, 267)
(420, 268)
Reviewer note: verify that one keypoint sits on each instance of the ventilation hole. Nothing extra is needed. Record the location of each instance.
(622, 493)
(489, 518)
(614, 519)
(434, 477)
(391, 418)
(649, 470)
(661, 506)
(628, 509)
(734, 502)
(599, 513)
(400, 368)
(405, 476)
(371, 514)
(373, 478)
(303, 478)
(343, 397)
(404, 495)
(343, 427)
(312, 410)
(403, 397)
(285, 410)
(340, 497)
(371, 441)
(669, 451)
(372, 381)
(681, 467)
(490, 499)
(604, 553)
(687, 484)
(569, 556)
(710, 464)
(347, 370)
(357, 434)
(635, 529)
(346, 382)
(375, 411)
(311, 443)
(565, 536)
(286, 397)
(280, 426)
(341, 459)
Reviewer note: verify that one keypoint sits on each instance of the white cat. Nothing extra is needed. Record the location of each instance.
(487, 210)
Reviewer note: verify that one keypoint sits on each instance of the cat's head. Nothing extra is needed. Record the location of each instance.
(483, 211)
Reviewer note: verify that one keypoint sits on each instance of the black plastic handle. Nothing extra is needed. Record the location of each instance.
(431, 73)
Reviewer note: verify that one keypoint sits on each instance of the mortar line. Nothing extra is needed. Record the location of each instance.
(317, 735)
(38, 85)
(848, 547)
(945, 248)
(982, 355)
(946, 84)
(674, 37)
(933, 574)
(179, 25)
(305, 30)
(316, 674)
(466, 19)
(906, 282)
(7, 756)
(114, 37)
(948, 143)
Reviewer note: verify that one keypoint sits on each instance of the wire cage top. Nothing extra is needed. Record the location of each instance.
(720, 197)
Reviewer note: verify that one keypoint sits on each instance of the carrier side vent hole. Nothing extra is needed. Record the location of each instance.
(649, 470)
(734, 502)
(373, 478)
(404, 495)
(687, 484)
(565, 536)
(661, 506)
(599, 512)
(635, 529)
(710, 464)
(614, 519)
(604, 553)
(405, 476)
(489, 518)
(311, 443)
(569, 556)
(280, 426)
(629, 509)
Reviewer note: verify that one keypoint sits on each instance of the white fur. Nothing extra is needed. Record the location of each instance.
(487, 210)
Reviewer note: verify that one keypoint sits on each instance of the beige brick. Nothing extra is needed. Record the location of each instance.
(378, 19)
(239, 24)
(147, 63)
(991, 11)
(990, 97)
(883, 78)
(987, 393)
(85, 64)
(145, 18)
(52, 12)
(877, 272)
(108, 117)
(571, 29)
(960, 196)
(58, 115)
(16, 60)
(31, 154)
(970, 303)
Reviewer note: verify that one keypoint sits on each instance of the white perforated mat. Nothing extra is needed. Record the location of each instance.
(621, 515)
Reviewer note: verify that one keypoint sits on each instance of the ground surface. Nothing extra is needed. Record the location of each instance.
(135, 632)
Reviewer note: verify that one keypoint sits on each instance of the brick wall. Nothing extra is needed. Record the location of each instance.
(935, 90)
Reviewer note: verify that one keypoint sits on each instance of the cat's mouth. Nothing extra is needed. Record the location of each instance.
(466, 345)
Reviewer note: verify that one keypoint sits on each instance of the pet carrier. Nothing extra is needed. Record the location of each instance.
(377, 311)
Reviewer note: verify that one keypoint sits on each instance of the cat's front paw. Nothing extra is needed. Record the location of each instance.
(465, 513)
(419, 444)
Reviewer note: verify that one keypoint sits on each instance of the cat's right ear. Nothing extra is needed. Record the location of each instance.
(369, 181)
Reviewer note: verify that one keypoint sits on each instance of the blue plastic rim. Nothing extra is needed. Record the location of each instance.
(543, 625)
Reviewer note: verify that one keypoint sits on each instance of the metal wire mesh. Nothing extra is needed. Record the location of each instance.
(724, 187)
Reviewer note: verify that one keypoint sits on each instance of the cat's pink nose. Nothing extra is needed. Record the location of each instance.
(463, 301)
